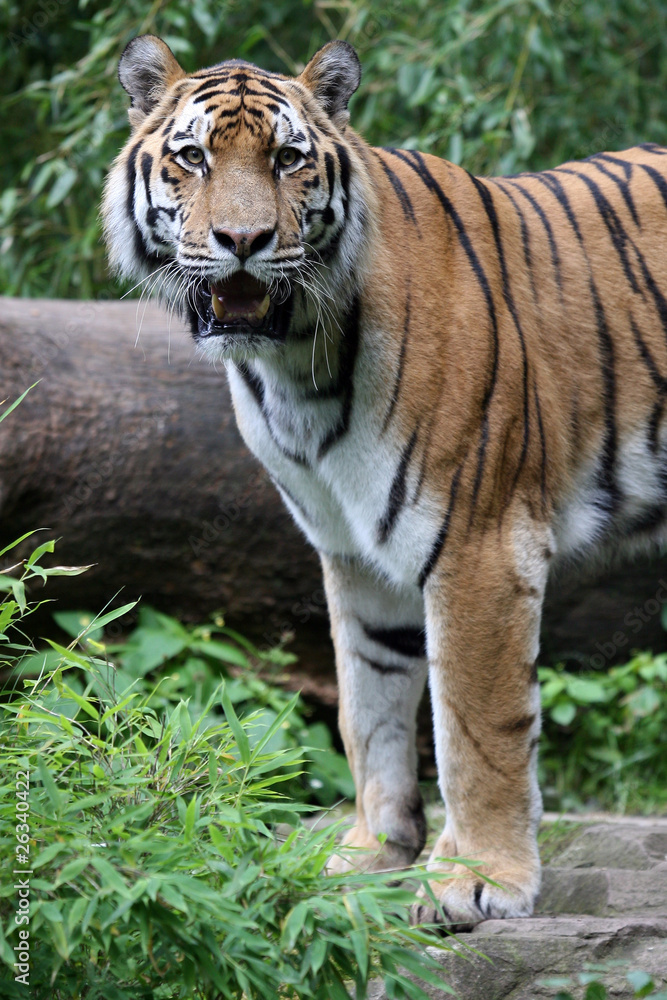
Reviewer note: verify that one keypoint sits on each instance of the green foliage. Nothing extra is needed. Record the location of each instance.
(499, 85)
(14, 581)
(164, 858)
(169, 663)
(600, 732)
(593, 987)
(158, 870)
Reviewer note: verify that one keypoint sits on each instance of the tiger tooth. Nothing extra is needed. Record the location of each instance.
(218, 307)
(263, 307)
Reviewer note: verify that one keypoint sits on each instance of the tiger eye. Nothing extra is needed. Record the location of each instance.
(193, 155)
(287, 156)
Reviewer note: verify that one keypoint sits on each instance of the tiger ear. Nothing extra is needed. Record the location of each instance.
(332, 76)
(146, 69)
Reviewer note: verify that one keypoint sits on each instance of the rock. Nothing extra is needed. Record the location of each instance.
(602, 908)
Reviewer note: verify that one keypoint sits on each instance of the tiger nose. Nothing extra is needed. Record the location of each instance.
(243, 244)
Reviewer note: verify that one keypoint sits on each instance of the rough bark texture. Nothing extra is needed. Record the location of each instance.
(130, 456)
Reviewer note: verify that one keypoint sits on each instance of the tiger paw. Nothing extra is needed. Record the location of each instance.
(362, 851)
(465, 899)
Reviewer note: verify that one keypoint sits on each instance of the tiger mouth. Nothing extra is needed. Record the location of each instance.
(239, 305)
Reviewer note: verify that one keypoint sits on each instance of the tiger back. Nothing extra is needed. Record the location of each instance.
(456, 383)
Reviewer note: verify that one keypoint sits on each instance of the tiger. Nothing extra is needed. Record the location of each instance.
(456, 383)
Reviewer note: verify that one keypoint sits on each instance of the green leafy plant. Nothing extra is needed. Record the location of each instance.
(158, 866)
(593, 988)
(168, 662)
(600, 730)
(16, 578)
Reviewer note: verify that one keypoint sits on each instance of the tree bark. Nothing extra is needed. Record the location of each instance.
(130, 456)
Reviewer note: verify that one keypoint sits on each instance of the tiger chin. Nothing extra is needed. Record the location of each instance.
(456, 383)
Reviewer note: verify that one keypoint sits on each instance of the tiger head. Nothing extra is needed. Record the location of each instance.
(241, 197)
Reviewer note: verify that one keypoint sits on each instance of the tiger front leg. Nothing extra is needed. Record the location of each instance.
(380, 661)
(483, 609)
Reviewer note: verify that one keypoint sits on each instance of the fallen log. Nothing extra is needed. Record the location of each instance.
(127, 452)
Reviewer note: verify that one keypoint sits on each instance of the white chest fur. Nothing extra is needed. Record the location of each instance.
(340, 487)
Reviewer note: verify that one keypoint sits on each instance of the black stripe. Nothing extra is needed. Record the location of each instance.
(657, 179)
(236, 68)
(213, 80)
(441, 537)
(174, 181)
(401, 363)
(146, 167)
(657, 296)
(606, 477)
(479, 889)
(517, 726)
(622, 185)
(654, 424)
(425, 451)
(620, 238)
(345, 381)
(401, 193)
(417, 164)
(404, 640)
(647, 357)
(609, 216)
(345, 169)
(382, 668)
(647, 521)
(327, 213)
(525, 232)
(140, 249)
(553, 249)
(256, 387)
(207, 93)
(397, 492)
(153, 211)
(255, 112)
(626, 165)
(330, 172)
(274, 99)
(653, 147)
(490, 209)
(253, 382)
(659, 382)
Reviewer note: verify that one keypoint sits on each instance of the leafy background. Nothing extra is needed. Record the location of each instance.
(498, 86)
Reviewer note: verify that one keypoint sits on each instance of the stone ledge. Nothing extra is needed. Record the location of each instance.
(603, 891)
(606, 896)
(516, 954)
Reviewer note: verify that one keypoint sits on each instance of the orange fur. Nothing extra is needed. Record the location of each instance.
(508, 387)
